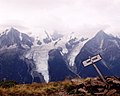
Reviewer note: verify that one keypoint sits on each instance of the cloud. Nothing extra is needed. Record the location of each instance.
(62, 15)
(34, 4)
(16, 24)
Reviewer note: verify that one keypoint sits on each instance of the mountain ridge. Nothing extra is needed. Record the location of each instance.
(70, 50)
(105, 45)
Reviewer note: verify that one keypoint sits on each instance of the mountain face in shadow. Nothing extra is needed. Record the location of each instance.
(12, 36)
(57, 66)
(13, 64)
(105, 45)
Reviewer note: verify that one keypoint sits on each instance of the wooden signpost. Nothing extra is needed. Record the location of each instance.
(92, 61)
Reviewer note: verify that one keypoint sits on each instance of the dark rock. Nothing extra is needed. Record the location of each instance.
(13, 66)
(47, 40)
(97, 83)
(39, 42)
(71, 43)
(57, 67)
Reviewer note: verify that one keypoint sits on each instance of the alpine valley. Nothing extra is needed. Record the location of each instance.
(27, 59)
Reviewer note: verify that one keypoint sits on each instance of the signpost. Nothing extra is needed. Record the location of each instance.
(92, 61)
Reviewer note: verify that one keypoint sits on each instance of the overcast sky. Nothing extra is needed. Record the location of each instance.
(84, 16)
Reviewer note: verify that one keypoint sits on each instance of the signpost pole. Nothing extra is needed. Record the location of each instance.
(91, 61)
(98, 71)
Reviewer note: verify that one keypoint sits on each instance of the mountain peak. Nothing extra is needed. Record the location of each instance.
(101, 34)
(12, 36)
(11, 29)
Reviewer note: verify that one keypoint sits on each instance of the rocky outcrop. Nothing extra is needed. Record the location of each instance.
(95, 87)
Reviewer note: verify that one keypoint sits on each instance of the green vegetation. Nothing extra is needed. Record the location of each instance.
(7, 84)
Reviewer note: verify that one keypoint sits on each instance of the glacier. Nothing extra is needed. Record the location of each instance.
(39, 53)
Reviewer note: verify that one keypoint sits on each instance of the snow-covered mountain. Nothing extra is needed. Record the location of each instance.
(35, 53)
(41, 59)
(14, 37)
(108, 47)
(68, 44)
(13, 64)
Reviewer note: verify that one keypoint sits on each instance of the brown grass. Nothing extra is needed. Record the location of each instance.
(74, 87)
(34, 89)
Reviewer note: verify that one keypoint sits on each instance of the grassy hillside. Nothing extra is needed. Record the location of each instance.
(74, 87)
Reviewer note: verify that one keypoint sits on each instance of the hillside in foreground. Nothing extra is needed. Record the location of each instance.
(74, 87)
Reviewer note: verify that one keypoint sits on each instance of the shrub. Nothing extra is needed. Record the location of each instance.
(7, 84)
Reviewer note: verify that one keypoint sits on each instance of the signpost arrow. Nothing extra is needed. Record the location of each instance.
(92, 61)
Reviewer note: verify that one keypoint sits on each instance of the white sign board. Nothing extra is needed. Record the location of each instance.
(91, 60)
(87, 62)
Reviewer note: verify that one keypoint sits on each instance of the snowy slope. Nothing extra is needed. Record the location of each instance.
(40, 56)
(38, 48)
(74, 53)
(13, 46)
(39, 53)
